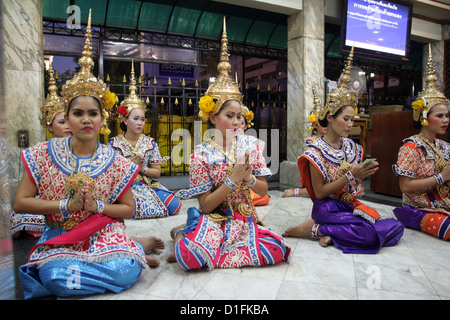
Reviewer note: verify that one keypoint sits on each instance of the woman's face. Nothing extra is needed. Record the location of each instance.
(135, 121)
(438, 119)
(229, 119)
(85, 118)
(59, 127)
(343, 123)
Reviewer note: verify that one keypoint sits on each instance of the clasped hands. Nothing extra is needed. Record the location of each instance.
(83, 199)
(242, 170)
(139, 160)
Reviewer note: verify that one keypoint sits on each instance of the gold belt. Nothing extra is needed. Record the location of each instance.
(345, 197)
(67, 225)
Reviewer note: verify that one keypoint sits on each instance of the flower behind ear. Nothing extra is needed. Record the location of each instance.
(110, 99)
(206, 105)
(122, 111)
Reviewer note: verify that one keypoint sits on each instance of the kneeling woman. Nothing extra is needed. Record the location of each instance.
(84, 193)
(332, 172)
(225, 231)
(152, 199)
(423, 165)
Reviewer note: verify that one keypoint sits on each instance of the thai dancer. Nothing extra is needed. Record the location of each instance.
(317, 131)
(84, 193)
(225, 231)
(152, 199)
(332, 172)
(423, 164)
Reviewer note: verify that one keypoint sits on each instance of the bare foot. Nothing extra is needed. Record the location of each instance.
(174, 230)
(301, 230)
(171, 258)
(325, 241)
(288, 193)
(152, 262)
(151, 243)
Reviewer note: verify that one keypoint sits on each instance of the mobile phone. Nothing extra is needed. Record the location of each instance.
(368, 160)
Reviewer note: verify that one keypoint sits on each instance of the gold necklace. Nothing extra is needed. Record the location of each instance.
(230, 156)
(73, 184)
(246, 209)
(344, 165)
(133, 149)
(439, 161)
(439, 165)
(75, 180)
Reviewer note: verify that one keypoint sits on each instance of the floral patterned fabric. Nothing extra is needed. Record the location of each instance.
(235, 241)
(426, 210)
(416, 160)
(48, 164)
(327, 160)
(152, 199)
(352, 226)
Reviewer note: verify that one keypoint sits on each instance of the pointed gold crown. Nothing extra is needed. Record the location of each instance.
(431, 95)
(132, 101)
(313, 117)
(317, 104)
(341, 96)
(53, 104)
(84, 83)
(224, 87)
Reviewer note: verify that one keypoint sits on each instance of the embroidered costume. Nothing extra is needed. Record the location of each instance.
(231, 236)
(429, 209)
(97, 249)
(80, 252)
(352, 226)
(152, 199)
(228, 237)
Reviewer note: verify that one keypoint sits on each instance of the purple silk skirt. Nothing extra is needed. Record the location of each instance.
(354, 234)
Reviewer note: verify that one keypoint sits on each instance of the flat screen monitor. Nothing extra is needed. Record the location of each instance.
(377, 29)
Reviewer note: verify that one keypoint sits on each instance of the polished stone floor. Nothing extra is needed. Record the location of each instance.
(417, 268)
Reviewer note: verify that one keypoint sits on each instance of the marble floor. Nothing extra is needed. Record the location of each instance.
(417, 268)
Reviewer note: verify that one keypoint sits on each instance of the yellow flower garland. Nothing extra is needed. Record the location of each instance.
(110, 99)
(418, 104)
(206, 104)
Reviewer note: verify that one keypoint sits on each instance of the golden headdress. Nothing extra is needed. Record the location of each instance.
(132, 101)
(313, 117)
(84, 83)
(223, 88)
(430, 96)
(53, 104)
(248, 115)
(341, 96)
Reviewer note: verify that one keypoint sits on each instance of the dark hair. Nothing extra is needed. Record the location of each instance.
(71, 101)
(222, 107)
(324, 122)
(123, 126)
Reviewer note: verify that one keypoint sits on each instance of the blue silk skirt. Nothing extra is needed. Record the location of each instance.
(75, 277)
(154, 202)
(354, 234)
